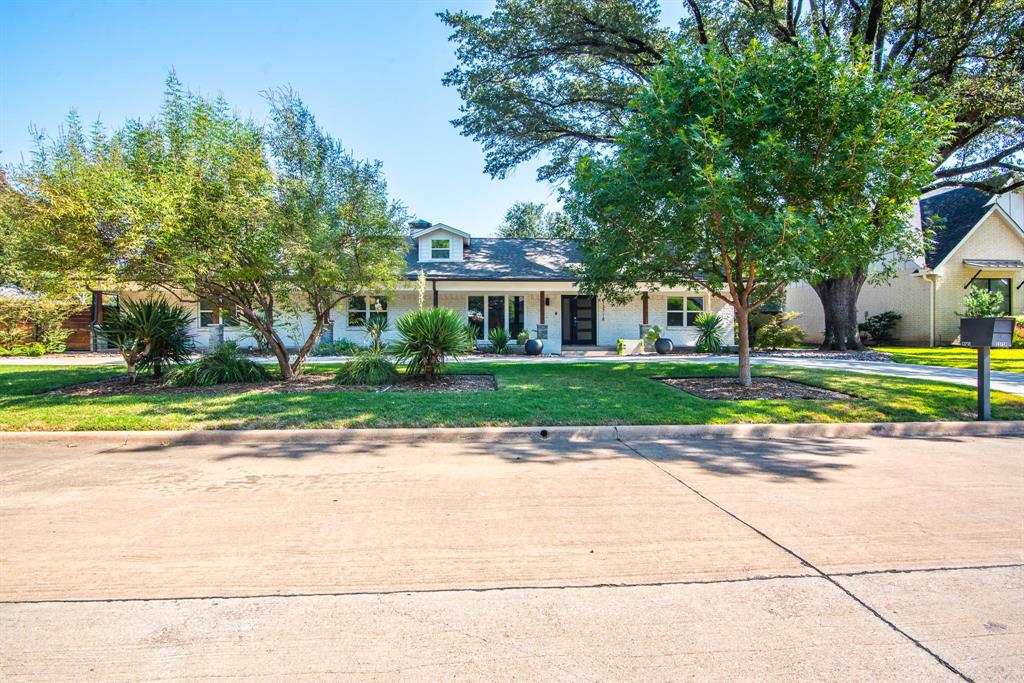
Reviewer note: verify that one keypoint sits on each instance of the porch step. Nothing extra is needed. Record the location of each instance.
(588, 351)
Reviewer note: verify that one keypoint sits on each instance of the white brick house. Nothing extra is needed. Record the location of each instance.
(515, 284)
(978, 242)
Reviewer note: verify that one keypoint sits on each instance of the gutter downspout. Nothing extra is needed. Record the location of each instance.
(931, 277)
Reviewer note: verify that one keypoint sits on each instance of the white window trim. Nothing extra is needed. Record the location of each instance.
(448, 249)
(220, 316)
(366, 310)
(487, 312)
(685, 297)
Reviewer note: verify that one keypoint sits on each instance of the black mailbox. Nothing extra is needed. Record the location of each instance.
(994, 332)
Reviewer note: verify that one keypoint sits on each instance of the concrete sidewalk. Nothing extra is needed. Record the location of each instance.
(644, 559)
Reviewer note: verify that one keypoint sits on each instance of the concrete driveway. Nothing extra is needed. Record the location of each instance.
(707, 559)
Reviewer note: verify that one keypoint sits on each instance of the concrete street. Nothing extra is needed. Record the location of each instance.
(712, 558)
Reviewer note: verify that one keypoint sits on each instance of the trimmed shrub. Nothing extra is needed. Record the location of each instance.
(342, 347)
(225, 364)
(428, 338)
(879, 327)
(499, 340)
(370, 368)
(777, 334)
(981, 303)
(709, 332)
(30, 349)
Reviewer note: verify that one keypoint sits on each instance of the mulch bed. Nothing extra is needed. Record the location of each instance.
(763, 389)
(310, 382)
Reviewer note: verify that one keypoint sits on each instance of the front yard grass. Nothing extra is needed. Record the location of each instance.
(528, 394)
(1005, 360)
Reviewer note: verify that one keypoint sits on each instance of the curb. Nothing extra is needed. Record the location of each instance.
(572, 434)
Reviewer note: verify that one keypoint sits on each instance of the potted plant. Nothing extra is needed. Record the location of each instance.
(521, 340)
(621, 347)
(653, 333)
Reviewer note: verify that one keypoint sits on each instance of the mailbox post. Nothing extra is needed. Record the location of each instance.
(985, 333)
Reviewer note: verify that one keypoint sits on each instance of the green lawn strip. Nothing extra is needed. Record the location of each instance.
(1005, 360)
(528, 394)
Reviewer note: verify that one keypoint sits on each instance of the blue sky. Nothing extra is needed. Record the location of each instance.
(370, 72)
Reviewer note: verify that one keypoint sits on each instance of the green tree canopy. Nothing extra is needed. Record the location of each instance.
(732, 169)
(190, 201)
(532, 219)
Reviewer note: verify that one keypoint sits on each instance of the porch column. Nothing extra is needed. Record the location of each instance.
(542, 307)
(644, 298)
(433, 284)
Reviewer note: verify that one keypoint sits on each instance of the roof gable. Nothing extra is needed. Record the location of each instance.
(441, 226)
(952, 215)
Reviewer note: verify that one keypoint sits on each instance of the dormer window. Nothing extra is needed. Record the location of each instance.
(440, 250)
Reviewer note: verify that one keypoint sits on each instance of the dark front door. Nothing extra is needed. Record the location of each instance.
(579, 320)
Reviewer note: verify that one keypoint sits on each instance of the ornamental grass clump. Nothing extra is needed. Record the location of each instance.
(499, 340)
(368, 368)
(225, 364)
(428, 338)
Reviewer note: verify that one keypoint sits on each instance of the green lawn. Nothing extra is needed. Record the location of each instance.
(528, 394)
(1006, 360)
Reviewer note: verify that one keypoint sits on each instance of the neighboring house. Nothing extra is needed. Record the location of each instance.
(978, 241)
(514, 284)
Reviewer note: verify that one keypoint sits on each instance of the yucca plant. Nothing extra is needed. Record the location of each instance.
(709, 332)
(428, 338)
(499, 340)
(148, 334)
(375, 328)
(369, 368)
(224, 364)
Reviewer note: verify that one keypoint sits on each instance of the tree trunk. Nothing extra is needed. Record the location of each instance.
(743, 327)
(839, 302)
(319, 321)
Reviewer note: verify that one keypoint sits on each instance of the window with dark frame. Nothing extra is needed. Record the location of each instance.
(516, 315)
(683, 310)
(440, 249)
(475, 315)
(363, 308)
(1002, 285)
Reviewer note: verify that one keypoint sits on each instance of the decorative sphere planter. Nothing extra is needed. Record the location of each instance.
(534, 347)
(663, 346)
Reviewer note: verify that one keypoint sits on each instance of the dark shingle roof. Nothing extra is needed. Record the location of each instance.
(502, 258)
(951, 215)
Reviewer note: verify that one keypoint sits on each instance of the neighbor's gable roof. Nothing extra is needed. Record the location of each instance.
(952, 215)
(502, 258)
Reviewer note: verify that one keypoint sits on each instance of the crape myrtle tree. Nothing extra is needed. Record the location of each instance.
(731, 168)
(554, 78)
(191, 201)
